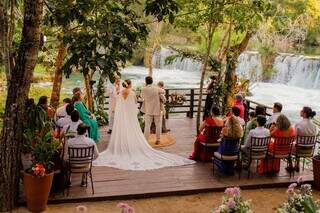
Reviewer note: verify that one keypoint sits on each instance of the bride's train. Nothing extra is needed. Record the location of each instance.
(128, 148)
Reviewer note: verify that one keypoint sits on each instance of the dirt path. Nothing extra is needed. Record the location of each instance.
(263, 200)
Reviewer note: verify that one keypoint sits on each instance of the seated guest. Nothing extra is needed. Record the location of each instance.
(236, 112)
(71, 128)
(277, 108)
(306, 127)
(80, 141)
(67, 119)
(42, 118)
(61, 111)
(85, 115)
(253, 123)
(238, 102)
(231, 132)
(251, 115)
(282, 129)
(211, 120)
(232, 129)
(259, 132)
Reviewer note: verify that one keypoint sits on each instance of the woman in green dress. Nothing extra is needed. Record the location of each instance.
(85, 115)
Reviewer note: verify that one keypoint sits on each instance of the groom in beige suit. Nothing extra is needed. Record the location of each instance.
(151, 96)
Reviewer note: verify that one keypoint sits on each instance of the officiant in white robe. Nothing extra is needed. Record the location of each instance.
(113, 92)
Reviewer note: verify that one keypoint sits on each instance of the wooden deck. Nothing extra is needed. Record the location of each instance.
(110, 183)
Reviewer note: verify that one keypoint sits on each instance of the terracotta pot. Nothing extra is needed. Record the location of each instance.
(316, 172)
(37, 191)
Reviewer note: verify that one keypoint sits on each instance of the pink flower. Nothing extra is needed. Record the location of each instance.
(231, 203)
(236, 191)
(292, 186)
(300, 180)
(125, 208)
(122, 205)
(229, 191)
(81, 209)
(233, 191)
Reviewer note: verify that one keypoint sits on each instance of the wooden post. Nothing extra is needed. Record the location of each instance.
(191, 103)
(246, 114)
(167, 104)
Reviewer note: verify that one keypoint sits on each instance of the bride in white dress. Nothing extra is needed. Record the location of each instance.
(128, 149)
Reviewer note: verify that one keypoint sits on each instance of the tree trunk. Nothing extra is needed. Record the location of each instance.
(12, 28)
(221, 51)
(230, 76)
(56, 87)
(18, 90)
(148, 60)
(87, 80)
(203, 70)
(4, 37)
(3, 29)
(101, 90)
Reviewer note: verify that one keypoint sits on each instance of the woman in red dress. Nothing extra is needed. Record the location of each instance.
(282, 129)
(211, 120)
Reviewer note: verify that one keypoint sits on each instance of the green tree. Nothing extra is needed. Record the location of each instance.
(239, 18)
(18, 88)
(101, 35)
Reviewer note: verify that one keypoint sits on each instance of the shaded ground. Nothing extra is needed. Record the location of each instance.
(263, 200)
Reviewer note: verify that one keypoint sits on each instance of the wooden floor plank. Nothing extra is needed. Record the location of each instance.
(111, 183)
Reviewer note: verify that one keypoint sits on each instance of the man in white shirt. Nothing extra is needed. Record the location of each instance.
(61, 111)
(80, 141)
(259, 132)
(71, 128)
(236, 112)
(113, 92)
(277, 108)
(67, 119)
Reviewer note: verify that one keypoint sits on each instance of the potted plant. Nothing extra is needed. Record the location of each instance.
(29, 129)
(38, 178)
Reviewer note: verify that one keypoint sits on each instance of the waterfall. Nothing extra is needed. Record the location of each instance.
(293, 70)
(297, 70)
(249, 63)
(250, 66)
(178, 63)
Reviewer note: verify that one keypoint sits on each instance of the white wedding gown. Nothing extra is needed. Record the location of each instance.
(128, 149)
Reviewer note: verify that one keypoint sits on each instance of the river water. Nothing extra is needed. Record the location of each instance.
(295, 83)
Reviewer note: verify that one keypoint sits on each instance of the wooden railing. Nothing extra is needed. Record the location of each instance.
(251, 105)
(190, 104)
